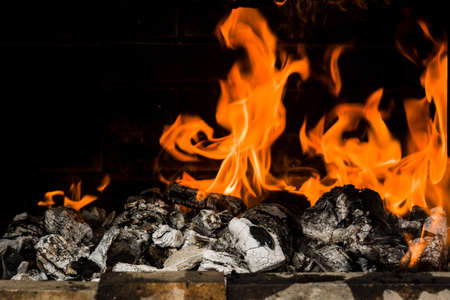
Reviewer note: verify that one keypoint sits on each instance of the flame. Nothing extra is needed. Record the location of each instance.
(403, 181)
(75, 201)
(250, 108)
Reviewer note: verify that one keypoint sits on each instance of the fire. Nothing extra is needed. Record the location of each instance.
(75, 201)
(250, 108)
(416, 178)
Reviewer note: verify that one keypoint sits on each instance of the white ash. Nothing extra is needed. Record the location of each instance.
(54, 254)
(166, 236)
(124, 267)
(187, 258)
(259, 257)
(193, 238)
(99, 254)
(30, 275)
(66, 223)
(222, 262)
(23, 267)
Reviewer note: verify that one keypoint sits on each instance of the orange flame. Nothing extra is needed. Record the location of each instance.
(403, 181)
(250, 107)
(75, 201)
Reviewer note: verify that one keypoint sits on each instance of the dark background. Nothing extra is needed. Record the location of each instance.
(86, 89)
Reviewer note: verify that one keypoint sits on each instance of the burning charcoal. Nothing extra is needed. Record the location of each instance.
(165, 236)
(187, 196)
(68, 224)
(187, 258)
(129, 245)
(93, 215)
(260, 248)
(30, 275)
(207, 222)
(222, 262)
(54, 254)
(124, 267)
(99, 254)
(192, 237)
(332, 258)
(430, 252)
(355, 222)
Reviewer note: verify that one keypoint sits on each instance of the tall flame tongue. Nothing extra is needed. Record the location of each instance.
(250, 107)
(419, 177)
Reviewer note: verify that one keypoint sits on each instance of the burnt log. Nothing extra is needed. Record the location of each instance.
(186, 196)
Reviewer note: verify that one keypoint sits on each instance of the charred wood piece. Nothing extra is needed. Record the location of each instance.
(166, 236)
(188, 197)
(68, 224)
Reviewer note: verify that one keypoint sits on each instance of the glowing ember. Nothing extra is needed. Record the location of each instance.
(250, 107)
(75, 201)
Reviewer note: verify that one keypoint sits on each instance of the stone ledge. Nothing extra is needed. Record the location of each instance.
(213, 285)
(47, 290)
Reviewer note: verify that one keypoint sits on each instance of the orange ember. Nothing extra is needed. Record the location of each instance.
(75, 201)
(250, 108)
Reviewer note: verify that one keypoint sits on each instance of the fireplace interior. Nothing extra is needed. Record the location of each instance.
(90, 89)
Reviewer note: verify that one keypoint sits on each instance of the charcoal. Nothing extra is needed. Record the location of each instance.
(30, 275)
(166, 236)
(156, 256)
(222, 262)
(353, 221)
(68, 224)
(23, 267)
(192, 237)
(188, 197)
(225, 242)
(432, 255)
(260, 248)
(176, 219)
(302, 263)
(125, 267)
(94, 216)
(109, 219)
(208, 222)
(82, 268)
(275, 219)
(128, 246)
(332, 258)
(99, 254)
(54, 254)
(25, 225)
(187, 258)
(10, 260)
(138, 211)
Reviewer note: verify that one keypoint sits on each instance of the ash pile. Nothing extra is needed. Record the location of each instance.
(346, 230)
